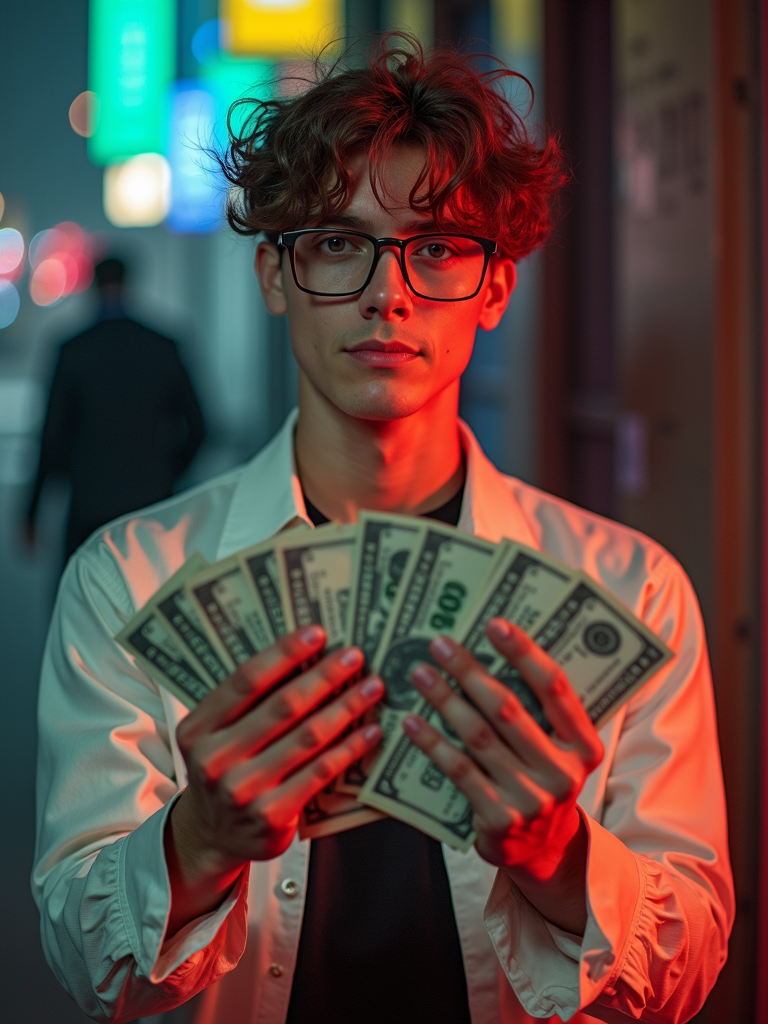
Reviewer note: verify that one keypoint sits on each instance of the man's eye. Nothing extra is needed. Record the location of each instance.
(436, 250)
(335, 244)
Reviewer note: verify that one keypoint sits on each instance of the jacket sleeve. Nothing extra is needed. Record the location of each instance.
(659, 889)
(106, 782)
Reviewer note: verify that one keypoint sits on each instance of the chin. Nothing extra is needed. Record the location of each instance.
(381, 403)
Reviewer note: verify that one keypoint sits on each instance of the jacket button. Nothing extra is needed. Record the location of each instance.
(275, 970)
(290, 888)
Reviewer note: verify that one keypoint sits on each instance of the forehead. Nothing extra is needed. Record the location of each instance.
(396, 175)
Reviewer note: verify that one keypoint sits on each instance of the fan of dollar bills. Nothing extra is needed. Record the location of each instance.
(389, 584)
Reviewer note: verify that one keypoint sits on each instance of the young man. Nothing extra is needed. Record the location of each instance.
(395, 199)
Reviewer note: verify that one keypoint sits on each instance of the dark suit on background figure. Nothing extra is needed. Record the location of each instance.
(123, 420)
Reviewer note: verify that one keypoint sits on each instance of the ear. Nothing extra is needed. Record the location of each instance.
(502, 278)
(270, 274)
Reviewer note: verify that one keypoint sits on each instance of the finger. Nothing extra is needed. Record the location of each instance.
(277, 714)
(273, 764)
(483, 796)
(250, 681)
(502, 714)
(299, 788)
(547, 679)
(487, 748)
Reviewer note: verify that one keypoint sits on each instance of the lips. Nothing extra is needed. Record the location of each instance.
(381, 353)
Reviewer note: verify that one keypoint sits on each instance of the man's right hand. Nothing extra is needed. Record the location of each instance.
(257, 749)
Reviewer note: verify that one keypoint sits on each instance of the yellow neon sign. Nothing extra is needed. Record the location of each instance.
(280, 28)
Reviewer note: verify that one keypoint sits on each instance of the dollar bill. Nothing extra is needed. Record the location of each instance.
(446, 569)
(523, 588)
(606, 652)
(174, 607)
(151, 643)
(385, 545)
(381, 558)
(315, 573)
(259, 566)
(233, 619)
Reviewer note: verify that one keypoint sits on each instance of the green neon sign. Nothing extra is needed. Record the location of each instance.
(131, 64)
(230, 79)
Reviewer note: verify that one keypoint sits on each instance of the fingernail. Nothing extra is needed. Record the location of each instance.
(501, 628)
(312, 634)
(352, 657)
(411, 725)
(372, 687)
(371, 732)
(424, 676)
(442, 646)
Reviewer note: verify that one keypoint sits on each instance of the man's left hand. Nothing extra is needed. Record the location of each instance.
(521, 783)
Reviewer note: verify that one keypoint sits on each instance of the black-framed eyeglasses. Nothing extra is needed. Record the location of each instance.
(441, 266)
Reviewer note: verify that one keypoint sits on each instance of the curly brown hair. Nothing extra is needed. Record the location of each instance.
(289, 161)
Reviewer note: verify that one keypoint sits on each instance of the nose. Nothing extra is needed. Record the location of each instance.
(386, 294)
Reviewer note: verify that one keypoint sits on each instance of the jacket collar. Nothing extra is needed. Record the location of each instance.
(268, 495)
(490, 509)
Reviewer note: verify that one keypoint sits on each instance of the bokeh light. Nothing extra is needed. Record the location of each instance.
(11, 251)
(61, 259)
(197, 192)
(137, 193)
(83, 111)
(49, 282)
(205, 42)
(9, 303)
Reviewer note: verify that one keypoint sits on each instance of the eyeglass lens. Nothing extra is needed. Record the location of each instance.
(439, 267)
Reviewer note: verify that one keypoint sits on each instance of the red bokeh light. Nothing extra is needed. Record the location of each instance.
(49, 282)
(62, 263)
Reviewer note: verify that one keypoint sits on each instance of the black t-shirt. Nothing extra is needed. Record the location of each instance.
(379, 942)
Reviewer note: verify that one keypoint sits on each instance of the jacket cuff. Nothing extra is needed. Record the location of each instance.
(145, 902)
(614, 902)
(551, 971)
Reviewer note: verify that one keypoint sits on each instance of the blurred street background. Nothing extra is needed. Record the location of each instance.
(626, 376)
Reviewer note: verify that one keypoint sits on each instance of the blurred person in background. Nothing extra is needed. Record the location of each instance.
(123, 420)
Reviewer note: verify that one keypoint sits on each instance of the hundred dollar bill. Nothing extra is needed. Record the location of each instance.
(231, 614)
(446, 569)
(315, 572)
(174, 607)
(606, 652)
(149, 640)
(259, 565)
(523, 588)
(384, 547)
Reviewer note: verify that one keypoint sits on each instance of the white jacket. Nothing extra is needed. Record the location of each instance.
(660, 896)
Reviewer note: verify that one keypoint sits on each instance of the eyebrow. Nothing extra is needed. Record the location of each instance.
(414, 227)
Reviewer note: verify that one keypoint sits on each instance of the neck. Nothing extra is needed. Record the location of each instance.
(409, 465)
